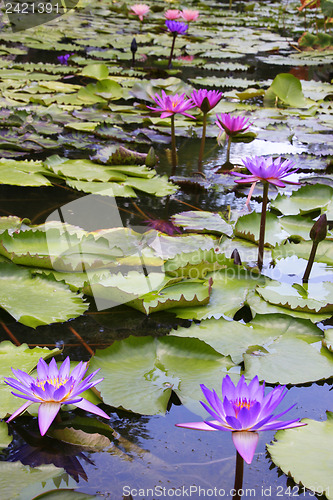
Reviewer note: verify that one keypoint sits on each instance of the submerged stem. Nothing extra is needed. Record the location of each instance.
(203, 139)
(173, 144)
(238, 476)
(228, 149)
(262, 226)
(172, 49)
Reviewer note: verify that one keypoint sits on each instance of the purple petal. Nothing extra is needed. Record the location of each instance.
(17, 385)
(245, 443)
(26, 396)
(87, 406)
(23, 377)
(46, 414)
(53, 370)
(228, 388)
(234, 423)
(64, 369)
(210, 411)
(79, 371)
(42, 369)
(60, 393)
(218, 426)
(20, 410)
(199, 426)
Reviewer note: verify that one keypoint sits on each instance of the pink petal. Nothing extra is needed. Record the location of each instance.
(87, 406)
(199, 426)
(245, 443)
(46, 414)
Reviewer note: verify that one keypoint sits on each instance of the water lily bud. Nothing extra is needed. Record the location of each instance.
(205, 106)
(235, 255)
(319, 229)
(151, 158)
(134, 46)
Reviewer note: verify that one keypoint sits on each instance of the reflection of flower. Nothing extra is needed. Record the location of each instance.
(232, 125)
(163, 226)
(176, 27)
(172, 14)
(140, 9)
(52, 388)
(189, 15)
(213, 98)
(244, 410)
(267, 170)
(169, 105)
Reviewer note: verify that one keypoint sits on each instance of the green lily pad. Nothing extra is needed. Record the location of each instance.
(77, 437)
(305, 454)
(202, 222)
(5, 439)
(302, 250)
(248, 227)
(158, 366)
(311, 297)
(305, 200)
(64, 494)
(36, 301)
(288, 89)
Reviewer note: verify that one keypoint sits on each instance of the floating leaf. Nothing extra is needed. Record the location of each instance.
(305, 200)
(36, 301)
(158, 367)
(248, 227)
(202, 222)
(95, 442)
(288, 89)
(305, 454)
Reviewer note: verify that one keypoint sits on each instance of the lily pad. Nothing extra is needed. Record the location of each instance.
(201, 221)
(158, 367)
(305, 200)
(305, 454)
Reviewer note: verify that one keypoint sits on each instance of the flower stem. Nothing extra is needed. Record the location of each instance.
(310, 261)
(203, 138)
(230, 4)
(228, 149)
(172, 48)
(238, 476)
(173, 144)
(262, 226)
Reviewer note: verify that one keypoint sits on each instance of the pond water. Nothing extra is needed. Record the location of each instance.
(234, 51)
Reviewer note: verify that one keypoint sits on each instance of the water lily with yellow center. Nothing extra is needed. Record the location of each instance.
(244, 410)
(53, 388)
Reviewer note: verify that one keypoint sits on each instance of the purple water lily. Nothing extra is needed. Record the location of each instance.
(267, 170)
(244, 410)
(53, 388)
(176, 27)
(64, 59)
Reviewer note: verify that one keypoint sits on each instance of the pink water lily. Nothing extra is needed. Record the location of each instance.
(172, 14)
(53, 388)
(213, 98)
(189, 15)
(267, 170)
(140, 10)
(244, 410)
(169, 105)
(232, 125)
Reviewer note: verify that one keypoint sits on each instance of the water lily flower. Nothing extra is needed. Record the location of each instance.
(268, 171)
(244, 410)
(140, 10)
(64, 59)
(172, 14)
(205, 100)
(53, 388)
(232, 125)
(169, 105)
(175, 28)
(189, 15)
